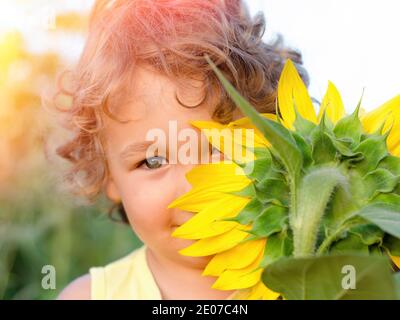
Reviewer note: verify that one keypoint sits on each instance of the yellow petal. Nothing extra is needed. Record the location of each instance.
(216, 173)
(396, 261)
(291, 89)
(261, 292)
(206, 223)
(208, 124)
(396, 151)
(247, 277)
(372, 120)
(213, 245)
(257, 292)
(260, 140)
(245, 122)
(389, 115)
(238, 257)
(333, 104)
(235, 133)
(233, 142)
(394, 142)
(199, 198)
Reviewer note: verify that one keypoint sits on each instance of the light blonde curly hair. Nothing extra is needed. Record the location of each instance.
(172, 36)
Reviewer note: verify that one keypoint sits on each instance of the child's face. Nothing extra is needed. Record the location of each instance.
(147, 187)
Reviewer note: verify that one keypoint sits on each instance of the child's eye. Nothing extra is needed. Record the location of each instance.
(153, 162)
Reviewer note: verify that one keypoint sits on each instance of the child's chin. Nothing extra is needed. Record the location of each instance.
(196, 262)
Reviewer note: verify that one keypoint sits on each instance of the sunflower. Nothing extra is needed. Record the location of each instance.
(304, 166)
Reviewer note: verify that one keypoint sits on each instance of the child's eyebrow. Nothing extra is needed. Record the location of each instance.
(133, 148)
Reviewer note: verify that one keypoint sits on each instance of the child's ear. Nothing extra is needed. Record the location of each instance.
(111, 190)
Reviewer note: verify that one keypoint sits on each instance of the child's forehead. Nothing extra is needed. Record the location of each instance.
(145, 91)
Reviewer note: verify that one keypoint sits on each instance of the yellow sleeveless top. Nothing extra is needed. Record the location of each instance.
(128, 278)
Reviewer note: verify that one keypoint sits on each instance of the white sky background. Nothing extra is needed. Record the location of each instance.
(353, 43)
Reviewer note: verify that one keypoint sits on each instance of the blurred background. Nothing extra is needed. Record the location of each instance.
(352, 43)
(40, 224)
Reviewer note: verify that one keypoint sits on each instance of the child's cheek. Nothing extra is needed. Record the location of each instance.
(147, 198)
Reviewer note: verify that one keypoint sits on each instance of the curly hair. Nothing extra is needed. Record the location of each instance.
(171, 36)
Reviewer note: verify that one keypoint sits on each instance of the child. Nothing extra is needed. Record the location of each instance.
(143, 68)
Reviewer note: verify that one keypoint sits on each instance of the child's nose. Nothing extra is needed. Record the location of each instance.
(184, 185)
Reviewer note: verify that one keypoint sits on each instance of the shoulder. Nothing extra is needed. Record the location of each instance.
(109, 280)
(79, 289)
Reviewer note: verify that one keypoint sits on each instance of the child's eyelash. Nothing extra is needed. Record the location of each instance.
(213, 151)
(148, 161)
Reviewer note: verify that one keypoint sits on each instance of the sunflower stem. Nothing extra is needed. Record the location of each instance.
(310, 204)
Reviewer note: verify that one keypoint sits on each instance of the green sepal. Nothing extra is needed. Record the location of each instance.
(344, 149)
(273, 190)
(248, 213)
(374, 150)
(303, 126)
(273, 219)
(323, 150)
(379, 181)
(396, 278)
(387, 198)
(369, 233)
(278, 245)
(258, 169)
(247, 192)
(350, 127)
(352, 243)
(376, 250)
(305, 149)
(391, 163)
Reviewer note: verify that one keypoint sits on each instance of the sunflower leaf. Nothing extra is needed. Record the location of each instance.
(397, 284)
(384, 216)
(335, 277)
(280, 138)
